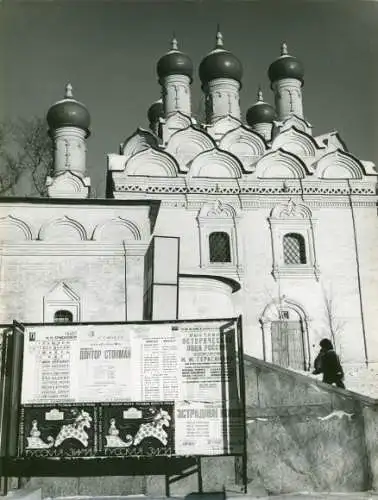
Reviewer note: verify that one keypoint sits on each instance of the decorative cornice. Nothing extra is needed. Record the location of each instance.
(266, 187)
(79, 248)
(295, 272)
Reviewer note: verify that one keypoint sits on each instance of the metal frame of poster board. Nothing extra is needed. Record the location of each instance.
(173, 467)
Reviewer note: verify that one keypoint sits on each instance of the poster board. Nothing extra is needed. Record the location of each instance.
(161, 389)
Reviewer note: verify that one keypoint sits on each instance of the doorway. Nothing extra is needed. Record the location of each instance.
(287, 344)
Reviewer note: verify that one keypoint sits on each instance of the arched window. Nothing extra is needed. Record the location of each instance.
(63, 316)
(219, 247)
(294, 249)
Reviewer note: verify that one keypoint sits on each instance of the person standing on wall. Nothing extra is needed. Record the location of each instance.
(328, 363)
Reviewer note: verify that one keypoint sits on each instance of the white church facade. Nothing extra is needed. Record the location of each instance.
(262, 219)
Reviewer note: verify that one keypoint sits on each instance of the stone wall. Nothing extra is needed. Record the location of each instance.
(306, 436)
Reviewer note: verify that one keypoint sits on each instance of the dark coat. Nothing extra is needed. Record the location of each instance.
(328, 363)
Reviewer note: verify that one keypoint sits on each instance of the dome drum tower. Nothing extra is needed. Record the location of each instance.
(260, 117)
(175, 71)
(221, 73)
(286, 76)
(69, 122)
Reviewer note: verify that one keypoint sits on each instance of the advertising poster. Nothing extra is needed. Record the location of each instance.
(56, 431)
(132, 390)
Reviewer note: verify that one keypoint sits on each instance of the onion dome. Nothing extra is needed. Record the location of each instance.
(286, 66)
(220, 63)
(68, 113)
(260, 112)
(155, 111)
(174, 62)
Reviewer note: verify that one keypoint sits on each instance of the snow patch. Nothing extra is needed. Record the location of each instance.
(338, 414)
(357, 379)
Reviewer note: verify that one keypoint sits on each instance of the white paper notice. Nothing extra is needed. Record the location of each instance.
(49, 364)
(199, 429)
(200, 363)
(105, 366)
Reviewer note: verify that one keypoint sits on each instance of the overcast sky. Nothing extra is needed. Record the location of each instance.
(108, 50)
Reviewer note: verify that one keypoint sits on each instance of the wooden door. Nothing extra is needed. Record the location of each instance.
(287, 344)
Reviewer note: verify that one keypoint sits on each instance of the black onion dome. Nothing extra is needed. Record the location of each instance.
(68, 113)
(174, 62)
(155, 111)
(286, 66)
(260, 112)
(220, 63)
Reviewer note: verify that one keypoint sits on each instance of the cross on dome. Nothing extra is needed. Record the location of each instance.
(219, 38)
(174, 43)
(68, 94)
(259, 95)
(284, 51)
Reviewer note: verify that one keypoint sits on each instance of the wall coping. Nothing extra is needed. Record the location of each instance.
(344, 393)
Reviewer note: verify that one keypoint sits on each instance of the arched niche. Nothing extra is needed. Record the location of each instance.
(216, 164)
(68, 185)
(152, 163)
(339, 165)
(280, 165)
(61, 297)
(295, 141)
(118, 229)
(187, 144)
(14, 229)
(245, 144)
(63, 229)
(140, 140)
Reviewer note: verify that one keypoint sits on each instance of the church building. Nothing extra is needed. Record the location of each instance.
(256, 217)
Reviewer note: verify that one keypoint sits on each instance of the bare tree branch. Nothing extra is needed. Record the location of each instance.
(25, 151)
(333, 324)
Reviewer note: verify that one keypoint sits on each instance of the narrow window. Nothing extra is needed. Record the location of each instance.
(294, 249)
(63, 316)
(219, 246)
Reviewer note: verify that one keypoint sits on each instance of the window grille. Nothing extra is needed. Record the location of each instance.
(63, 316)
(219, 246)
(294, 249)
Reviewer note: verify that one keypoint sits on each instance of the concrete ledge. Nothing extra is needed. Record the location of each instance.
(25, 494)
